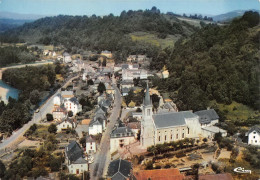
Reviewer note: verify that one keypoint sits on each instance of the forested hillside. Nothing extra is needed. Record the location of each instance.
(100, 33)
(216, 63)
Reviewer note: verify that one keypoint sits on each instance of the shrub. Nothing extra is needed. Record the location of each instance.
(149, 165)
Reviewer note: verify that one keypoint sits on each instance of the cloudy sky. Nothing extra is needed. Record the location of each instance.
(104, 7)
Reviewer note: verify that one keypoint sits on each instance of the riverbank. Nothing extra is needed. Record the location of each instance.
(7, 91)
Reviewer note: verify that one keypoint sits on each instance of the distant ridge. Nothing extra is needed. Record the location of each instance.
(231, 15)
(18, 16)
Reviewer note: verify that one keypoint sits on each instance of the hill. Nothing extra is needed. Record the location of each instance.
(98, 33)
(216, 63)
(7, 24)
(230, 15)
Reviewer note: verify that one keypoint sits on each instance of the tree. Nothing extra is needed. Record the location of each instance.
(35, 97)
(104, 62)
(101, 87)
(82, 141)
(70, 113)
(52, 128)
(49, 117)
(2, 169)
(90, 82)
(204, 140)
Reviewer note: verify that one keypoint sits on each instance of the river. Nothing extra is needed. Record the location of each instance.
(7, 91)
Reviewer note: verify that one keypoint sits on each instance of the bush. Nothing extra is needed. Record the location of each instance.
(49, 117)
(180, 154)
(149, 165)
(52, 128)
(167, 166)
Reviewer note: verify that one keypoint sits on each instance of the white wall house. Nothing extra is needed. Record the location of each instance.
(91, 146)
(66, 58)
(75, 159)
(73, 105)
(59, 112)
(65, 124)
(121, 137)
(254, 136)
(95, 127)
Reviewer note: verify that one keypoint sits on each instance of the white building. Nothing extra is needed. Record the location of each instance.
(75, 159)
(57, 100)
(66, 57)
(65, 124)
(91, 146)
(95, 127)
(121, 137)
(59, 112)
(207, 117)
(254, 135)
(73, 105)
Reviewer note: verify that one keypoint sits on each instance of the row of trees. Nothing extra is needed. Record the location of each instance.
(13, 55)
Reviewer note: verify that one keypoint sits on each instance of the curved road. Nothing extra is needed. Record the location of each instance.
(102, 157)
(37, 117)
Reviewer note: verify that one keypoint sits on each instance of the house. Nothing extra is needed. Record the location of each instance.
(207, 117)
(141, 58)
(119, 169)
(143, 74)
(135, 127)
(75, 159)
(210, 131)
(121, 137)
(95, 127)
(90, 145)
(73, 105)
(66, 95)
(66, 57)
(65, 124)
(137, 115)
(106, 53)
(254, 135)
(57, 100)
(127, 84)
(59, 112)
(158, 174)
(165, 74)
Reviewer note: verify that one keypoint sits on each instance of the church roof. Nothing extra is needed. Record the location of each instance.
(172, 119)
(147, 99)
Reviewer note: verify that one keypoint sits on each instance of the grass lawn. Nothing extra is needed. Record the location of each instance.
(154, 40)
(237, 111)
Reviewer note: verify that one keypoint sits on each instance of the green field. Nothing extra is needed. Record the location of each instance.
(237, 111)
(154, 40)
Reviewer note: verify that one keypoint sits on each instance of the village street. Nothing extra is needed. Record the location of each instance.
(37, 117)
(102, 157)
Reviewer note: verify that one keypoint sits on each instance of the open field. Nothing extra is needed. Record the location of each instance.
(154, 40)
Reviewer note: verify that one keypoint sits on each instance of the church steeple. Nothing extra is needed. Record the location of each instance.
(147, 99)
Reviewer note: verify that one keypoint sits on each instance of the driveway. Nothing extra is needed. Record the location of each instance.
(102, 158)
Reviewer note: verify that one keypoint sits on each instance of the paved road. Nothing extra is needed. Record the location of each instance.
(37, 117)
(102, 158)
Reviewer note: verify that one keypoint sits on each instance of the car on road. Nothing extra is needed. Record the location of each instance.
(37, 110)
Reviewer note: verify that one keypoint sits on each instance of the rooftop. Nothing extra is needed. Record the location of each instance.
(121, 132)
(74, 153)
(206, 116)
(119, 169)
(159, 174)
(214, 129)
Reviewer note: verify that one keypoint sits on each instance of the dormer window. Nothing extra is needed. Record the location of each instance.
(254, 132)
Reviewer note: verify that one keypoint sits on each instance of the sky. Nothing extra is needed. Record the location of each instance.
(105, 7)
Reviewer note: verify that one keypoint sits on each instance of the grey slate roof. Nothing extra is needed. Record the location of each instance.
(74, 153)
(254, 128)
(171, 119)
(119, 169)
(121, 132)
(74, 100)
(206, 116)
(124, 66)
(100, 111)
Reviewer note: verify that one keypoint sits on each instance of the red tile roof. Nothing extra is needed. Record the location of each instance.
(159, 174)
(225, 176)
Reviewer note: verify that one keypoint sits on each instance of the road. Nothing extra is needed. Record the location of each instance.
(37, 117)
(102, 157)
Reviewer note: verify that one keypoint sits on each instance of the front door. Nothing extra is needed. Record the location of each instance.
(77, 171)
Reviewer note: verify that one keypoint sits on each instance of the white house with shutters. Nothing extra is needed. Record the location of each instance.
(254, 136)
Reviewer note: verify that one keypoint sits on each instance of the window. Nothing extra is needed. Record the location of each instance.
(90, 147)
(182, 135)
(171, 136)
(177, 136)
(159, 139)
(165, 137)
(254, 132)
(254, 137)
(90, 143)
(148, 112)
(188, 130)
(255, 141)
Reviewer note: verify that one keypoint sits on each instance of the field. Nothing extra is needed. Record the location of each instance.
(237, 111)
(154, 40)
